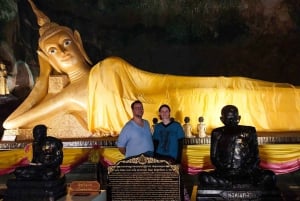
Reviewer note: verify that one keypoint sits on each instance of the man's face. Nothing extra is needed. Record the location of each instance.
(62, 50)
(138, 110)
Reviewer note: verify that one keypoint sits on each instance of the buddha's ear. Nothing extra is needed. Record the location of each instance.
(80, 46)
(45, 58)
(42, 55)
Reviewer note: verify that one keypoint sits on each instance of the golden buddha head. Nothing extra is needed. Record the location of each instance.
(49, 32)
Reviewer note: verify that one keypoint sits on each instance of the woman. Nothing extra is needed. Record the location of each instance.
(168, 137)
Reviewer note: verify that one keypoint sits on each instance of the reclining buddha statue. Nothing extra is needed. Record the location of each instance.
(99, 95)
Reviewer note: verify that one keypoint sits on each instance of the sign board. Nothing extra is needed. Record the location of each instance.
(144, 178)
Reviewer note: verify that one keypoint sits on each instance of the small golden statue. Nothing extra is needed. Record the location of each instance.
(201, 128)
(187, 128)
(3, 80)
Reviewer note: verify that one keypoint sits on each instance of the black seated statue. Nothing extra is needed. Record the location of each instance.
(235, 155)
(46, 160)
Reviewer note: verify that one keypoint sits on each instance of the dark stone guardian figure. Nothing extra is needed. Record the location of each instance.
(42, 178)
(235, 155)
(47, 157)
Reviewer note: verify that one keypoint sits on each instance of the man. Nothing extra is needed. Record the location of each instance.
(135, 137)
(235, 155)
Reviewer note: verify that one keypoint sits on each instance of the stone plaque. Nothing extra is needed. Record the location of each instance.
(84, 187)
(144, 178)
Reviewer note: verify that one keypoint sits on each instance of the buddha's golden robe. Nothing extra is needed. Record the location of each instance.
(114, 84)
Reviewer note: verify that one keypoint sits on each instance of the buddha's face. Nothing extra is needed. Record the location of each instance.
(62, 51)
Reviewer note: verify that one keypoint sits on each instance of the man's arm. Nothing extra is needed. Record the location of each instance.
(122, 139)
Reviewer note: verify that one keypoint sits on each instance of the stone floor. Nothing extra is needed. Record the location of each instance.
(289, 184)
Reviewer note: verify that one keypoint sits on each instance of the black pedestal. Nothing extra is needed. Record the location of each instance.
(238, 194)
(20, 190)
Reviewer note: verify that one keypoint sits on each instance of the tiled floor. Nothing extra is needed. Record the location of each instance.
(289, 184)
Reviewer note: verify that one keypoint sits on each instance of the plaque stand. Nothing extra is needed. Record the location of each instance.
(238, 194)
(78, 188)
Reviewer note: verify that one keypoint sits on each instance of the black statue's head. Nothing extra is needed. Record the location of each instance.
(39, 132)
(201, 119)
(186, 119)
(154, 120)
(230, 115)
